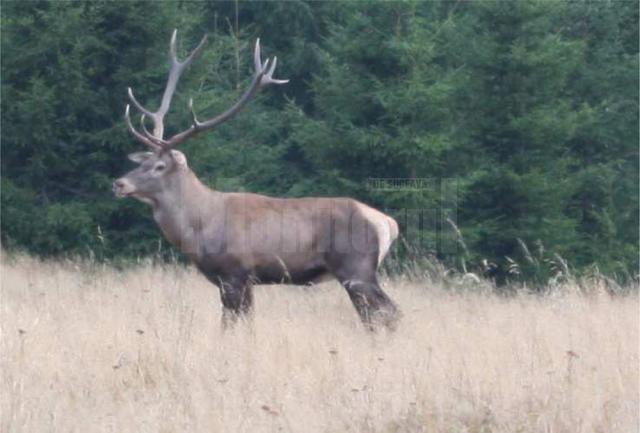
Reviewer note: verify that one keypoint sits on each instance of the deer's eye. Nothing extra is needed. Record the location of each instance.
(159, 167)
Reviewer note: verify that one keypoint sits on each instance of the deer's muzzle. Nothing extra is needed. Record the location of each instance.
(122, 187)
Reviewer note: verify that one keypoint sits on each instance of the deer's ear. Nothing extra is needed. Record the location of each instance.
(139, 157)
(179, 157)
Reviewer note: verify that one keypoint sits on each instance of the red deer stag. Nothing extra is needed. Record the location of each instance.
(240, 239)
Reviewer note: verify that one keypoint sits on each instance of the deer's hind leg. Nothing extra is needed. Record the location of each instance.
(357, 274)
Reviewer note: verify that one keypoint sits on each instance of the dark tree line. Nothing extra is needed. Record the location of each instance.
(520, 119)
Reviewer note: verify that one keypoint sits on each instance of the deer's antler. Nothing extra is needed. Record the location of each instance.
(263, 76)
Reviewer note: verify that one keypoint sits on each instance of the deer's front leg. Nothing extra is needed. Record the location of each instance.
(236, 295)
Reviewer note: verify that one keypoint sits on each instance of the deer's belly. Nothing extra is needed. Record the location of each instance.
(299, 268)
(279, 273)
(265, 269)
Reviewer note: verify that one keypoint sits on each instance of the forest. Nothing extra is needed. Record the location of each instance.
(502, 135)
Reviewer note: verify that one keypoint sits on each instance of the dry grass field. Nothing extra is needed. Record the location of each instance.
(91, 349)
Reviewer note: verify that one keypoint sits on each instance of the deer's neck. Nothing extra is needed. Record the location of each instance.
(187, 211)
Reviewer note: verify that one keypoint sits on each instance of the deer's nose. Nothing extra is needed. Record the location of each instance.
(117, 184)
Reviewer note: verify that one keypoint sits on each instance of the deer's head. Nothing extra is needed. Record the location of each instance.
(160, 168)
(156, 172)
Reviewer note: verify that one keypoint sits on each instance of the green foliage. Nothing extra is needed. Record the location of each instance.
(518, 121)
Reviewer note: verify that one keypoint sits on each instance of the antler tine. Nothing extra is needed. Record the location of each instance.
(144, 140)
(273, 66)
(196, 52)
(173, 51)
(267, 78)
(149, 135)
(194, 118)
(264, 66)
(137, 104)
(257, 61)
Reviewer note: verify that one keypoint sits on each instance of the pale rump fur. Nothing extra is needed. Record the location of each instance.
(386, 229)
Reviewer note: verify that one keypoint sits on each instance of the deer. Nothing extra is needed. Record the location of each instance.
(241, 239)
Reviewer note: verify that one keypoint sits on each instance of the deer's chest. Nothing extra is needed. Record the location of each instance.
(179, 231)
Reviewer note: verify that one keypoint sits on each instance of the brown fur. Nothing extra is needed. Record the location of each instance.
(241, 239)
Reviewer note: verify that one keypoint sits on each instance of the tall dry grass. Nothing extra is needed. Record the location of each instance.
(90, 349)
